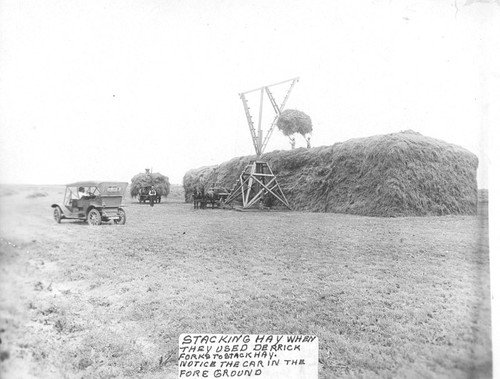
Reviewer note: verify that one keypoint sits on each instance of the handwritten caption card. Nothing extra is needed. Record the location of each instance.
(248, 356)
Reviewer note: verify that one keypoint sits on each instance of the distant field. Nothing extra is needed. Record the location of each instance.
(387, 297)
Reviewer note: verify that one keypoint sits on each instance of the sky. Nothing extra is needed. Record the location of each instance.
(102, 90)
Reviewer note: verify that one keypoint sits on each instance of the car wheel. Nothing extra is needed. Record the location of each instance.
(121, 217)
(94, 217)
(57, 215)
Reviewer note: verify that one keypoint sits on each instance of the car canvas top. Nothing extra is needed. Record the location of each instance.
(107, 188)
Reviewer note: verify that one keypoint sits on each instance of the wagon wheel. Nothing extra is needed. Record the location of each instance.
(57, 215)
(121, 217)
(94, 217)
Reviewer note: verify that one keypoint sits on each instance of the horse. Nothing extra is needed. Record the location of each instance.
(199, 200)
(212, 198)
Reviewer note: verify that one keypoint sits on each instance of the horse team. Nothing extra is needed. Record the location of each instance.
(202, 198)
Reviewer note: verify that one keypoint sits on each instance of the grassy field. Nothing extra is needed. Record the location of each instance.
(387, 297)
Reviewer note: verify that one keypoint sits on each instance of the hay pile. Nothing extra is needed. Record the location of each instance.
(293, 121)
(399, 174)
(197, 179)
(161, 183)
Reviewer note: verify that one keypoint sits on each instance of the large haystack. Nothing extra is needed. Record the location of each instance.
(400, 174)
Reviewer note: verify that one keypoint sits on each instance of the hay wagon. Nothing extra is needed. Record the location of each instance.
(215, 195)
(144, 196)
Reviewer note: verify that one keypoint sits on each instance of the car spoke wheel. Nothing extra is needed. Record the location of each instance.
(57, 215)
(94, 217)
(121, 217)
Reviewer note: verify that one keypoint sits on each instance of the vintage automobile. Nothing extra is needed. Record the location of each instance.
(93, 202)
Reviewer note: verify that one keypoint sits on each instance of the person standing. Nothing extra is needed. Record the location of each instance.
(152, 196)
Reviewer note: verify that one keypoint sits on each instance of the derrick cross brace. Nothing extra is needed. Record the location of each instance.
(257, 180)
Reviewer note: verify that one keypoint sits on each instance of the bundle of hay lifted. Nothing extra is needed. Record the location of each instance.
(293, 121)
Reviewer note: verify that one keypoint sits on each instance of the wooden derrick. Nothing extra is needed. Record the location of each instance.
(257, 179)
